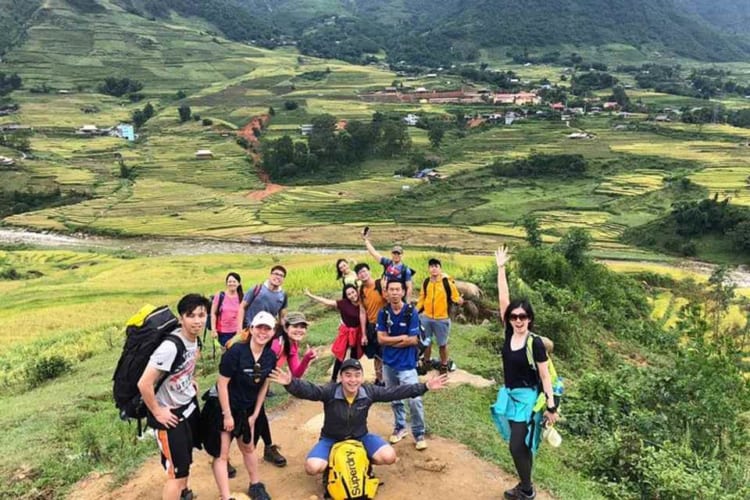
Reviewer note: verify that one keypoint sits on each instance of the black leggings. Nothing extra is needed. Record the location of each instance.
(521, 453)
(263, 428)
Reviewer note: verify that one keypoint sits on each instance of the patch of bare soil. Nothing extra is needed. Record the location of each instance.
(446, 469)
(262, 194)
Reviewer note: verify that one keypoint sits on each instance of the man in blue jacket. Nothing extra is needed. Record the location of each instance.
(346, 405)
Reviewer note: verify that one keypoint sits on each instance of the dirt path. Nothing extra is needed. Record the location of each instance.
(446, 468)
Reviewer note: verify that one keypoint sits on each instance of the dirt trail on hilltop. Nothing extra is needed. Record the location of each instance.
(447, 469)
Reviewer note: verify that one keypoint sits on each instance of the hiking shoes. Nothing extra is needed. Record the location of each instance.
(187, 494)
(258, 491)
(443, 369)
(517, 493)
(398, 435)
(231, 471)
(421, 444)
(273, 455)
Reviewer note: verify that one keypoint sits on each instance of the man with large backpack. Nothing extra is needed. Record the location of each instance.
(271, 298)
(437, 295)
(399, 335)
(346, 405)
(169, 393)
(394, 269)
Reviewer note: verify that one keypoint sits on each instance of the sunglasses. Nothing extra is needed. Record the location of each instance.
(518, 317)
(257, 374)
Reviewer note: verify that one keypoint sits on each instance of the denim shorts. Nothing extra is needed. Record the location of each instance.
(371, 442)
(438, 327)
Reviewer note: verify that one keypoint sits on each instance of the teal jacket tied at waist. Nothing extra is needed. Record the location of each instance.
(517, 405)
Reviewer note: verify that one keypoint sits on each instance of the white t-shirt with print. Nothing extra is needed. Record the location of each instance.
(178, 389)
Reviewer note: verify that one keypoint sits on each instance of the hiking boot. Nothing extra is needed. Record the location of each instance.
(421, 444)
(272, 454)
(517, 493)
(258, 492)
(187, 494)
(443, 369)
(398, 435)
(231, 471)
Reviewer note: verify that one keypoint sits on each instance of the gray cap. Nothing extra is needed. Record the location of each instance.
(397, 248)
(295, 318)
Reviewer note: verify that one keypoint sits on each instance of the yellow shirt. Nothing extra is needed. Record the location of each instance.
(432, 300)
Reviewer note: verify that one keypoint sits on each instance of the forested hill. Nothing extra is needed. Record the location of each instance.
(438, 32)
(731, 15)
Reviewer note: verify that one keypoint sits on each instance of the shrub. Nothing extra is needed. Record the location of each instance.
(46, 368)
(207, 122)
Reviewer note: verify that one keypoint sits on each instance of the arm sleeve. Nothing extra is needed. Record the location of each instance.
(163, 357)
(296, 366)
(385, 261)
(455, 295)
(305, 390)
(385, 394)
(538, 350)
(407, 273)
(228, 363)
(382, 327)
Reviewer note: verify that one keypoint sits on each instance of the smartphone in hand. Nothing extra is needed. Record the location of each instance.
(366, 231)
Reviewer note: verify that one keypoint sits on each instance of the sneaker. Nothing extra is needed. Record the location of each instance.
(231, 471)
(443, 369)
(187, 494)
(398, 435)
(272, 454)
(518, 494)
(421, 444)
(258, 491)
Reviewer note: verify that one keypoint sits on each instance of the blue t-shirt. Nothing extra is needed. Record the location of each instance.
(399, 358)
(395, 272)
(267, 300)
(245, 382)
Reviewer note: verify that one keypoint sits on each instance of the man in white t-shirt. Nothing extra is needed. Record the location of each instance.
(169, 391)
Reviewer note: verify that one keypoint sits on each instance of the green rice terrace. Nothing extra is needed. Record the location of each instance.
(629, 179)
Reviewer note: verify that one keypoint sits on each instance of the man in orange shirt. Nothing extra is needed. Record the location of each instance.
(371, 301)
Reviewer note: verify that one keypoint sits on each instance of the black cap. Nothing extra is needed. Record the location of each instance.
(351, 363)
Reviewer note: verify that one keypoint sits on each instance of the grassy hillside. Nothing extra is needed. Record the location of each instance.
(70, 307)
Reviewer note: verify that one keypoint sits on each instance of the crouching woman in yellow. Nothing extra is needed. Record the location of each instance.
(516, 414)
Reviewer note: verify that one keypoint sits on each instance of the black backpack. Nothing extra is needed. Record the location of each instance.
(144, 333)
(446, 285)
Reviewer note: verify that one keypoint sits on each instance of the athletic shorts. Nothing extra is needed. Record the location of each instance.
(176, 445)
(437, 327)
(225, 337)
(372, 349)
(371, 442)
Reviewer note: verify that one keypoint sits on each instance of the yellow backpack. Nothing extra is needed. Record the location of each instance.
(349, 472)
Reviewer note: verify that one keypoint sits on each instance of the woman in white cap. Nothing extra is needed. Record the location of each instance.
(242, 387)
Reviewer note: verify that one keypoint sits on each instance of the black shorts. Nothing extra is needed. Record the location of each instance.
(372, 349)
(176, 445)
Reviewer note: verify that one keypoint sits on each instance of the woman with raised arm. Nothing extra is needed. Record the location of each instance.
(526, 400)
(349, 336)
(345, 274)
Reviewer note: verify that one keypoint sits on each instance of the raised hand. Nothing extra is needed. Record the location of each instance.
(310, 353)
(281, 376)
(438, 382)
(502, 255)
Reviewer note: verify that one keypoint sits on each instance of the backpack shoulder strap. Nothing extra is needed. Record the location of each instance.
(256, 292)
(447, 286)
(178, 358)
(530, 350)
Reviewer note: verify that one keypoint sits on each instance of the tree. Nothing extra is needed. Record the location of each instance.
(720, 295)
(574, 245)
(530, 224)
(180, 95)
(271, 111)
(184, 111)
(322, 138)
(435, 133)
(395, 138)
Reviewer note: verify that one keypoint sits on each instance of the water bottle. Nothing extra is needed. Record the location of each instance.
(551, 435)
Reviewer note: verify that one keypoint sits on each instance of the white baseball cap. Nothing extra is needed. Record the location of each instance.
(264, 318)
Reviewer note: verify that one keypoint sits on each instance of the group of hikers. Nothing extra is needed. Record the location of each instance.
(258, 336)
